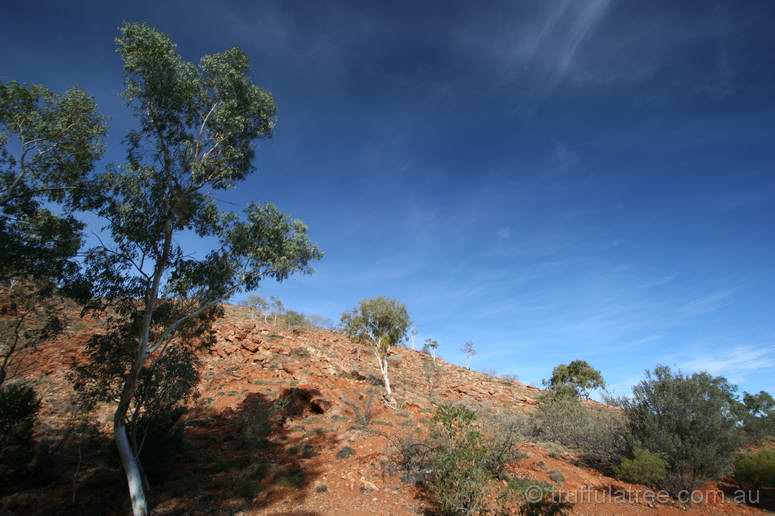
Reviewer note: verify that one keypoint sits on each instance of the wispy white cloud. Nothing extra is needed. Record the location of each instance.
(548, 54)
(736, 363)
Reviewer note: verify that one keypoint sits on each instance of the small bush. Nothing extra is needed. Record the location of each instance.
(644, 468)
(295, 321)
(755, 470)
(502, 434)
(364, 411)
(460, 459)
(19, 407)
(598, 433)
(459, 481)
(535, 498)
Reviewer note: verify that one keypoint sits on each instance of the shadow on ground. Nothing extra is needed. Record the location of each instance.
(243, 458)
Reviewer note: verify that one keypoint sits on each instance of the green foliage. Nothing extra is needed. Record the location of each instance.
(758, 415)
(460, 459)
(19, 407)
(380, 321)
(599, 433)
(643, 468)
(295, 321)
(459, 481)
(166, 383)
(48, 145)
(547, 504)
(690, 421)
(258, 304)
(430, 347)
(578, 377)
(196, 128)
(502, 436)
(757, 469)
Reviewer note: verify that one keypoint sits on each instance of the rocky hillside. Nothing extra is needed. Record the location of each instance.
(290, 422)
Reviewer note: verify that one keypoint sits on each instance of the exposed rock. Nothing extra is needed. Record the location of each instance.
(251, 345)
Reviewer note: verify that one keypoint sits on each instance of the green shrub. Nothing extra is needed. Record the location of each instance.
(502, 435)
(19, 407)
(758, 416)
(459, 480)
(600, 434)
(691, 421)
(535, 498)
(644, 468)
(756, 470)
(295, 321)
(460, 459)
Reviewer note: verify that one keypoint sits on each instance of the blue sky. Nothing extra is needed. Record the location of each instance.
(552, 180)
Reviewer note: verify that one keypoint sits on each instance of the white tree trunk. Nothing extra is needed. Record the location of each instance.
(383, 368)
(132, 470)
(129, 459)
(385, 377)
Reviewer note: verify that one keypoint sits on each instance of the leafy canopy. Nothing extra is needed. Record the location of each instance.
(577, 378)
(380, 321)
(197, 124)
(430, 346)
(48, 145)
(196, 127)
(689, 420)
(758, 415)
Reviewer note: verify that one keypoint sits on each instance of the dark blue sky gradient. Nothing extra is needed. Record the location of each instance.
(552, 180)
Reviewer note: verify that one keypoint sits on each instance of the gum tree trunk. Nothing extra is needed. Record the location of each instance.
(129, 459)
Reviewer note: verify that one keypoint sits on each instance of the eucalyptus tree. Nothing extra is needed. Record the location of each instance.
(576, 378)
(48, 146)
(197, 124)
(259, 305)
(430, 347)
(380, 323)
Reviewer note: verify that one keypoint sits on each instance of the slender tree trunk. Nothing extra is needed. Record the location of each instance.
(129, 459)
(383, 368)
(131, 469)
(386, 378)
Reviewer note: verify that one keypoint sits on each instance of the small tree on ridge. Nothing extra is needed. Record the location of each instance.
(430, 347)
(577, 378)
(381, 323)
